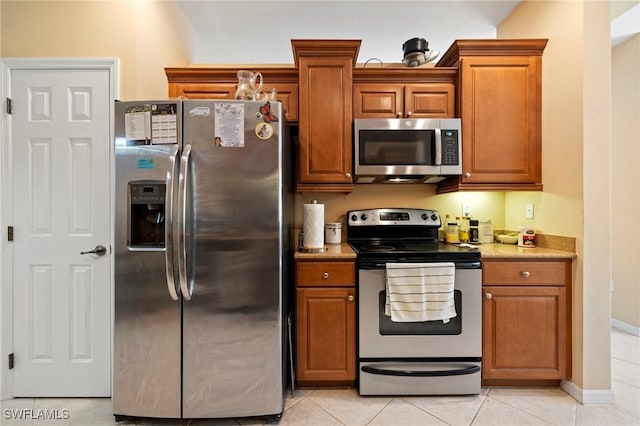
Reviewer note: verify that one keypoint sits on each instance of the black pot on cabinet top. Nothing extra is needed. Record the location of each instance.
(415, 44)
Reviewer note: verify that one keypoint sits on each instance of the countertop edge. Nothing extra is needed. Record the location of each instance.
(487, 251)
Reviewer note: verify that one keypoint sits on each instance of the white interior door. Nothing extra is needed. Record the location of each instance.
(61, 207)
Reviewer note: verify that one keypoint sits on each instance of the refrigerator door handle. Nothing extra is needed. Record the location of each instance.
(169, 211)
(182, 221)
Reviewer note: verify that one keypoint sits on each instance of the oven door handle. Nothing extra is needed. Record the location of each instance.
(417, 373)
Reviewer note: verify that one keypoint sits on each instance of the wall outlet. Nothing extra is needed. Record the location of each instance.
(466, 210)
(528, 211)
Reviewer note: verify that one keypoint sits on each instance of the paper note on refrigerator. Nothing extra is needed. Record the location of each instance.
(137, 126)
(164, 124)
(229, 124)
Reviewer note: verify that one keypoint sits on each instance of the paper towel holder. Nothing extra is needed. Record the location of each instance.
(304, 249)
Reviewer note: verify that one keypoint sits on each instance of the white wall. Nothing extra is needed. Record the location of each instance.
(625, 132)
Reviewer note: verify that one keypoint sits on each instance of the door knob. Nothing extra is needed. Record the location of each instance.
(99, 250)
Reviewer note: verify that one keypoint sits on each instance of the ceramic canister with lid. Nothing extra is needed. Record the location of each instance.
(332, 232)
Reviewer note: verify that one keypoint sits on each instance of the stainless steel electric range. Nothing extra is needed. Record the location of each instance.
(414, 358)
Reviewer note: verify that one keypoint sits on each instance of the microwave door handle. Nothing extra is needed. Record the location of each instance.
(438, 159)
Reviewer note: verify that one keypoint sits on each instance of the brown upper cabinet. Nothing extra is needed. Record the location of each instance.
(499, 101)
(402, 92)
(221, 83)
(421, 100)
(494, 86)
(325, 127)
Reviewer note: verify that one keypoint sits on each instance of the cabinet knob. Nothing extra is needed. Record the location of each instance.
(325, 275)
(467, 174)
(409, 114)
(399, 114)
(350, 298)
(526, 274)
(488, 295)
(348, 175)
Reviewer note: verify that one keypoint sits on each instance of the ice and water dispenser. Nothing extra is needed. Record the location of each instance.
(147, 215)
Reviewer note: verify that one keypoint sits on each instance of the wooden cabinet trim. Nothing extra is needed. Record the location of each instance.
(405, 75)
(327, 48)
(491, 47)
(222, 74)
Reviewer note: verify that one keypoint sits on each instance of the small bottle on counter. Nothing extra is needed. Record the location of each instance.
(442, 232)
(474, 232)
(453, 235)
(464, 229)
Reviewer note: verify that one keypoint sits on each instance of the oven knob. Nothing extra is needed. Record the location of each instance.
(434, 217)
(425, 216)
(363, 216)
(354, 218)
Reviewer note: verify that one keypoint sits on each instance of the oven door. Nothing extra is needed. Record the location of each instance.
(380, 337)
(422, 358)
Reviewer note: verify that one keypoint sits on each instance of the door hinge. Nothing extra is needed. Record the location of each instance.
(10, 233)
(9, 109)
(10, 361)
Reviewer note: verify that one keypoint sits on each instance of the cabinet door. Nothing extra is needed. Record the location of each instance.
(431, 100)
(288, 95)
(325, 123)
(500, 110)
(325, 334)
(524, 333)
(377, 100)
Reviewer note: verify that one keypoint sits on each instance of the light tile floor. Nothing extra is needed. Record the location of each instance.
(326, 407)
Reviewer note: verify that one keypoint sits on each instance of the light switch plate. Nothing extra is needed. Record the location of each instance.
(528, 211)
(466, 210)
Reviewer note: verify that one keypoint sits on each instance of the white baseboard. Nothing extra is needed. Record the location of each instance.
(586, 397)
(623, 326)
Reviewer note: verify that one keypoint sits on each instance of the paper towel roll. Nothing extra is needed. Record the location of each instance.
(313, 226)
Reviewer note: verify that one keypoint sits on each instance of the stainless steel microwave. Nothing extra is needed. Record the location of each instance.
(407, 150)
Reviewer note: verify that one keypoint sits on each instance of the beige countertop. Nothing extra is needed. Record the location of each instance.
(332, 252)
(488, 251)
(497, 250)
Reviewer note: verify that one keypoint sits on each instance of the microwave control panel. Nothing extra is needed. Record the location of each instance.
(450, 148)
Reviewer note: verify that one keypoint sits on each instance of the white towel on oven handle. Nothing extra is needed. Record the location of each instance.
(417, 292)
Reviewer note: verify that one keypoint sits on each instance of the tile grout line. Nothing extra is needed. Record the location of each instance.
(523, 410)
(326, 411)
(484, 400)
(380, 411)
(427, 412)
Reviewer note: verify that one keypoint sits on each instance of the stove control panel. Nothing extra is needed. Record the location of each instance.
(378, 217)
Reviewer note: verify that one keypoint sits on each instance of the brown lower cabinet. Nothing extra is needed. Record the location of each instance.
(325, 322)
(526, 320)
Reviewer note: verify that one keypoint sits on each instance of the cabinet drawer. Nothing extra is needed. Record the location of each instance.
(547, 272)
(313, 274)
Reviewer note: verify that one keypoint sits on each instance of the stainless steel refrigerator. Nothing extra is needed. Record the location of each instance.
(202, 236)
